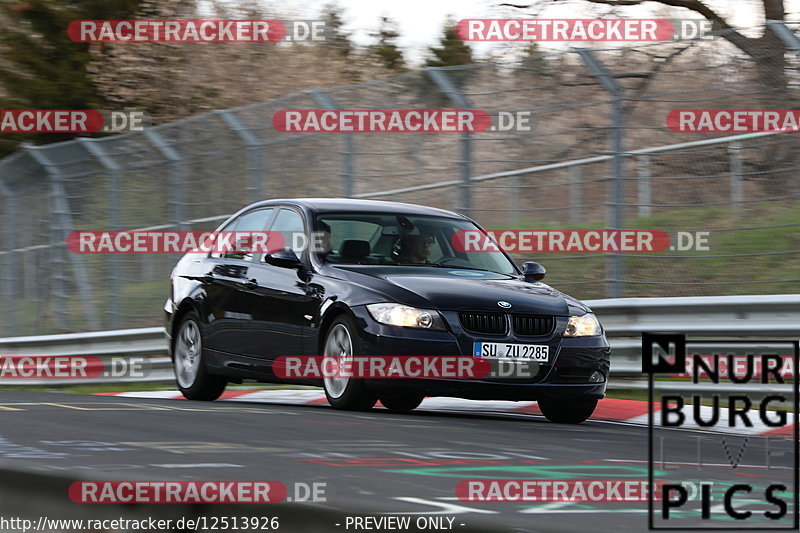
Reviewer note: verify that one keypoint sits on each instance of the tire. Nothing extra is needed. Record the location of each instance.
(402, 404)
(191, 374)
(567, 410)
(348, 393)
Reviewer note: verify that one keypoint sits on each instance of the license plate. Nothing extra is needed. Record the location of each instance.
(502, 350)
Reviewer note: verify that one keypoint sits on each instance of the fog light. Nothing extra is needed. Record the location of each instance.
(597, 377)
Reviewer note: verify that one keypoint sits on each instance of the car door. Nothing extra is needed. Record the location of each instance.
(286, 304)
(228, 286)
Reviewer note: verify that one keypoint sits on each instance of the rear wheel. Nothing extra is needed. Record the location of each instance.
(402, 404)
(567, 410)
(341, 344)
(191, 374)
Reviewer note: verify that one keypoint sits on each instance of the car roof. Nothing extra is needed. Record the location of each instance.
(322, 205)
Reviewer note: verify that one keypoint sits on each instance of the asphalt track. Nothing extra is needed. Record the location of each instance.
(373, 463)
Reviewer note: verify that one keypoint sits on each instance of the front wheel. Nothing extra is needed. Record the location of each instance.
(344, 392)
(567, 410)
(193, 379)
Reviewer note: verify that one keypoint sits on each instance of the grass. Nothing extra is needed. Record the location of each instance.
(627, 394)
(705, 271)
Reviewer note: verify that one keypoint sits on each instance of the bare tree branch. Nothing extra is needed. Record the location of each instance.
(755, 47)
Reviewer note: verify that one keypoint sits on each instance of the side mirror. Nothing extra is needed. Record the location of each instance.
(533, 271)
(283, 258)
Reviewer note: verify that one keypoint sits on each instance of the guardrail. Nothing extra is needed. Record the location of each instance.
(773, 316)
(149, 344)
(758, 316)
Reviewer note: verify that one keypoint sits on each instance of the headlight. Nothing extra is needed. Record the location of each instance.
(582, 326)
(405, 316)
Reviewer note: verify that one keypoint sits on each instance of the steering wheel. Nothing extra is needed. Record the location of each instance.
(446, 259)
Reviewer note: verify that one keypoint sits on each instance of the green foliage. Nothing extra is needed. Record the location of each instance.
(336, 39)
(451, 50)
(40, 67)
(735, 256)
(386, 49)
(533, 61)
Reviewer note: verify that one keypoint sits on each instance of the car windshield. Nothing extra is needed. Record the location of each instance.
(392, 239)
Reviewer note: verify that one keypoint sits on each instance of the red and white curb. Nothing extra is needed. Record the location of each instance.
(611, 410)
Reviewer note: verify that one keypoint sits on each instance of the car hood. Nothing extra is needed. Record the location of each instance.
(453, 289)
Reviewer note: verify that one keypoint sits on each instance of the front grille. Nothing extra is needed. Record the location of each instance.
(494, 323)
(533, 325)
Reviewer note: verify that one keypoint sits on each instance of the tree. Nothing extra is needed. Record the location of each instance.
(153, 77)
(386, 49)
(171, 81)
(451, 50)
(767, 49)
(40, 67)
(533, 60)
(336, 39)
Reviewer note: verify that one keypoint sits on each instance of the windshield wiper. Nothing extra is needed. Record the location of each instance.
(459, 267)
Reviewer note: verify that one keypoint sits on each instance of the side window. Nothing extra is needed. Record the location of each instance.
(342, 230)
(290, 225)
(250, 221)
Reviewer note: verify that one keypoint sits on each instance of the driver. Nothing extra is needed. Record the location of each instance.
(416, 248)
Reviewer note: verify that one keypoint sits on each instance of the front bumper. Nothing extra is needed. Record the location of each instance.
(572, 361)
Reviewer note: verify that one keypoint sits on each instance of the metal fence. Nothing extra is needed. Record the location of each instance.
(598, 156)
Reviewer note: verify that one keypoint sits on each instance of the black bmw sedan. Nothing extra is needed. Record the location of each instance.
(358, 278)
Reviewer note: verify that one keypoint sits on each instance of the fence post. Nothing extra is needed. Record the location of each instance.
(9, 272)
(176, 181)
(786, 35)
(645, 192)
(614, 267)
(348, 163)
(454, 94)
(737, 185)
(94, 148)
(61, 225)
(514, 194)
(575, 199)
(254, 148)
